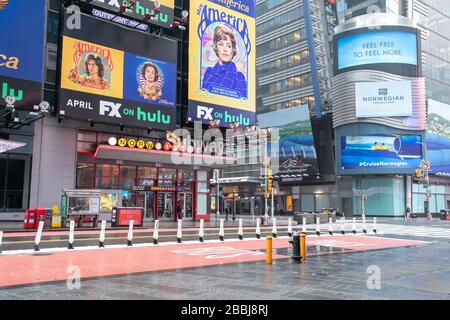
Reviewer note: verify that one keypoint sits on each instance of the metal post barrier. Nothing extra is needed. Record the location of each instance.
(130, 234)
(354, 226)
(101, 242)
(240, 230)
(304, 225)
(289, 227)
(330, 226)
(274, 227)
(343, 225)
(269, 250)
(221, 231)
(200, 232)
(71, 235)
(38, 236)
(258, 229)
(1, 239)
(156, 232)
(374, 225)
(179, 234)
(303, 247)
(318, 226)
(364, 224)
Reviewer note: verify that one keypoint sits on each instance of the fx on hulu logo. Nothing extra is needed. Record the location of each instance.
(6, 91)
(112, 109)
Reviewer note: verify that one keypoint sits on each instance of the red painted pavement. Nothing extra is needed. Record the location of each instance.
(29, 269)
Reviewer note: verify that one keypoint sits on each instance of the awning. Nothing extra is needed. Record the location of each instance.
(159, 156)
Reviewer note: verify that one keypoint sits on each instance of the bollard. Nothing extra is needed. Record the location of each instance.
(269, 250)
(101, 241)
(71, 235)
(296, 255)
(258, 229)
(274, 228)
(1, 239)
(155, 232)
(343, 225)
(374, 225)
(38, 236)
(303, 247)
(240, 230)
(289, 227)
(318, 226)
(221, 231)
(130, 234)
(304, 225)
(179, 235)
(201, 233)
(330, 226)
(354, 226)
(364, 225)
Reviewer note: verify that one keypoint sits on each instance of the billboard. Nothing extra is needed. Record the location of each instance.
(22, 51)
(296, 152)
(383, 99)
(114, 75)
(222, 62)
(381, 152)
(136, 13)
(438, 137)
(389, 49)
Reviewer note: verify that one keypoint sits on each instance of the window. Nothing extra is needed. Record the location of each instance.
(127, 177)
(106, 176)
(85, 175)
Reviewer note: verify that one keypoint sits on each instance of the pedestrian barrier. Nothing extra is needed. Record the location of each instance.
(130, 234)
(364, 225)
(318, 226)
(343, 225)
(179, 234)
(269, 250)
(258, 229)
(221, 231)
(71, 235)
(274, 227)
(38, 235)
(303, 247)
(101, 242)
(240, 230)
(354, 226)
(330, 226)
(200, 232)
(289, 227)
(304, 225)
(155, 232)
(374, 225)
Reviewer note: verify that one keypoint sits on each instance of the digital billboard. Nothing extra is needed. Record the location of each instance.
(383, 99)
(22, 51)
(381, 152)
(438, 137)
(136, 12)
(114, 75)
(389, 49)
(296, 152)
(222, 62)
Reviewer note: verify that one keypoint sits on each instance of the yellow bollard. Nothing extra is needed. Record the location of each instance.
(269, 250)
(302, 247)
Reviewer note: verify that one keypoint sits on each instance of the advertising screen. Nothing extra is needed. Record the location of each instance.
(381, 152)
(114, 75)
(383, 99)
(136, 13)
(222, 62)
(22, 51)
(438, 137)
(296, 152)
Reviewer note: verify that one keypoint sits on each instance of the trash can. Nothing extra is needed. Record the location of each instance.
(56, 217)
(295, 246)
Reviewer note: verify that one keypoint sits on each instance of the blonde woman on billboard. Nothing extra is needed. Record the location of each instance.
(224, 75)
(150, 82)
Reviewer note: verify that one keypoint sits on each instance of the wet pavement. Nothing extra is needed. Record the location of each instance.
(412, 272)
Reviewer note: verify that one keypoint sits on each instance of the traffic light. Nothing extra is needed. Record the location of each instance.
(418, 173)
(269, 180)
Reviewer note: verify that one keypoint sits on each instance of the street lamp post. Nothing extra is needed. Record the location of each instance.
(425, 167)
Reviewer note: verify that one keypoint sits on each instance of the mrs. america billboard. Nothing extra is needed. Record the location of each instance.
(222, 62)
(114, 75)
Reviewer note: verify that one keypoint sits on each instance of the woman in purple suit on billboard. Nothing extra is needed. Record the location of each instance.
(224, 78)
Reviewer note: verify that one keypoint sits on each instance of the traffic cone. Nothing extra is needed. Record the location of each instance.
(289, 227)
(274, 228)
(258, 229)
(354, 226)
(71, 235)
(130, 234)
(318, 226)
(374, 225)
(330, 226)
(343, 225)
(240, 230)
(221, 231)
(200, 232)
(101, 241)
(180, 222)
(304, 225)
(155, 232)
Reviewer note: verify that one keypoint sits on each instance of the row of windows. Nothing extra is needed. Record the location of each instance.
(287, 104)
(283, 63)
(268, 5)
(279, 21)
(281, 42)
(284, 85)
